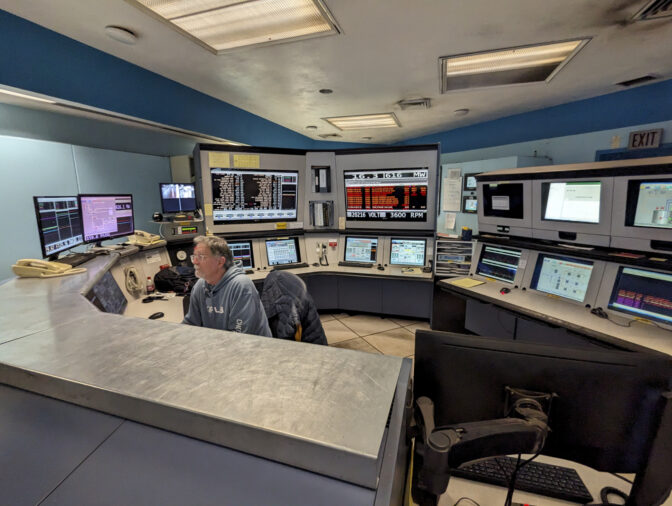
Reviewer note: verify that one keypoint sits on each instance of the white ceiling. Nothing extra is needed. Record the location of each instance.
(388, 51)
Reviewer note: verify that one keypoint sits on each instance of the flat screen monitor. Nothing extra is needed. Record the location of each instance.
(106, 216)
(503, 200)
(562, 276)
(576, 201)
(361, 249)
(643, 293)
(386, 194)
(469, 183)
(178, 197)
(283, 251)
(608, 406)
(649, 203)
(407, 251)
(253, 196)
(469, 205)
(242, 253)
(59, 224)
(498, 263)
(107, 296)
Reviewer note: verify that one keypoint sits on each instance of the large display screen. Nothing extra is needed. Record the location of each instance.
(504, 200)
(499, 263)
(240, 196)
(242, 253)
(562, 276)
(577, 201)
(106, 216)
(643, 293)
(107, 296)
(282, 251)
(407, 252)
(178, 197)
(386, 194)
(654, 203)
(361, 249)
(59, 223)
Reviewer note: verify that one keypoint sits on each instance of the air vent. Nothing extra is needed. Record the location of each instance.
(330, 136)
(637, 80)
(655, 9)
(415, 103)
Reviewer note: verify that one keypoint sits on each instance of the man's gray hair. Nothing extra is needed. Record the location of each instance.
(217, 246)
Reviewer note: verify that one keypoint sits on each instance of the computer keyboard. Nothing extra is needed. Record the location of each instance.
(76, 259)
(544, 479)
(355, 264)
(289, 266)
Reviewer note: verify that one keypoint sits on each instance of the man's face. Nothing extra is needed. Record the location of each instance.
(208, 266)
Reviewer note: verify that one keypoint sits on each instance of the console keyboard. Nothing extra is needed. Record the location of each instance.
(76, 259)
(289, 266)
(355, 264)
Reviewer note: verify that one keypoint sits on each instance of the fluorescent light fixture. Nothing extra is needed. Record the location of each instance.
(525, 64)
(29, 97)
(383, 120)
(222, 25)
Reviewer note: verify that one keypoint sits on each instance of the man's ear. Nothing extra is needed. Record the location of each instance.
(221, 261)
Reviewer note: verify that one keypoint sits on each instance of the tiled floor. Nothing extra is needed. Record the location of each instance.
(373, 334)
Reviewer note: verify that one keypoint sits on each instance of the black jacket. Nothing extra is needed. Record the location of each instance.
(290, 309)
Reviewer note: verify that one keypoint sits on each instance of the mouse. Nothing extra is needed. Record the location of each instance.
(380, 267)
(156, 316)
(505, 290)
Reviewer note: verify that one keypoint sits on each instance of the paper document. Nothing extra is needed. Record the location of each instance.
(452, 194)
(450, 221)
(466, 282)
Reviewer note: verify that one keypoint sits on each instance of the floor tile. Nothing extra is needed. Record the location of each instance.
(337, 332)
(326, 317)
(418, 326)
(404, 323)
(364, 325)
(398, 342)
(357, 344)
(340, 316)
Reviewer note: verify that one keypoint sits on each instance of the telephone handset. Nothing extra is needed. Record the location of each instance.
(34, 268)
(142, 238)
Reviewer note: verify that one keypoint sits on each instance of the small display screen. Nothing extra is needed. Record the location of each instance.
(562, 276)
(361, 249)
(643, 293)
(469, 183)
(282, 251)
(654, 204)
(59, 223)
(577, 201)
(107, 296)
(386, 194)
(178, 197)
(499, 263)
(242, 253)
(407, 252)
(504, 200)
(106, 216)
(470, 205)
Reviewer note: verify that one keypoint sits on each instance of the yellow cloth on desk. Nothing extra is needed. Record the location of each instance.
(466, 282)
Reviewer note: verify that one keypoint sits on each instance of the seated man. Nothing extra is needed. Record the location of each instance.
(224, 297)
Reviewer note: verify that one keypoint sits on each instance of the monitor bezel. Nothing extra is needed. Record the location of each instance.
(163, 204)
(39, 229)
(521, 227)
(417, 239)
(345, 248)
(116, 236)
(243, 241)
(296, 244)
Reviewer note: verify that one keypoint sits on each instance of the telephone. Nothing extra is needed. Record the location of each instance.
(34, 268)
(142, 238)
(321, 250)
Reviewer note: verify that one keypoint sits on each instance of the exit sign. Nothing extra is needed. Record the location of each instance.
(645, 139)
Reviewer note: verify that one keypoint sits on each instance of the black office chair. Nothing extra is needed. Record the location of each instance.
(290, 309)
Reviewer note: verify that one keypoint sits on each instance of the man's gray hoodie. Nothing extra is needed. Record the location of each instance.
(232, 304)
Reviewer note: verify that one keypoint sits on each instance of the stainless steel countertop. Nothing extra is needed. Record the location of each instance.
(317, 408)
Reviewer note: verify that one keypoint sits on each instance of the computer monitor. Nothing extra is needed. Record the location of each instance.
(470, 205)
(505, 207)
(361, 249)
(652, 205)
(283, 251)
(497, 262)
(409, 252)
(386, 194)
(575, 201)
(253, 196)
(242, 253)
(59, 224)
(643, 293)
(178, 197)
(106, 216)
(565, 277)
(107, 296)
(608, 408)
(469, 183)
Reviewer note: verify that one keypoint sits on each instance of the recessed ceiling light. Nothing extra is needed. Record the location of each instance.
(525, 64)
(311, 127)
(383, 120)
(461, 112)
(121, 34)
(326, 91)
(222, 25)
(29, 97)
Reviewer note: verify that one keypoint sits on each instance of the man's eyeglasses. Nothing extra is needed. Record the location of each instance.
(200, 257)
